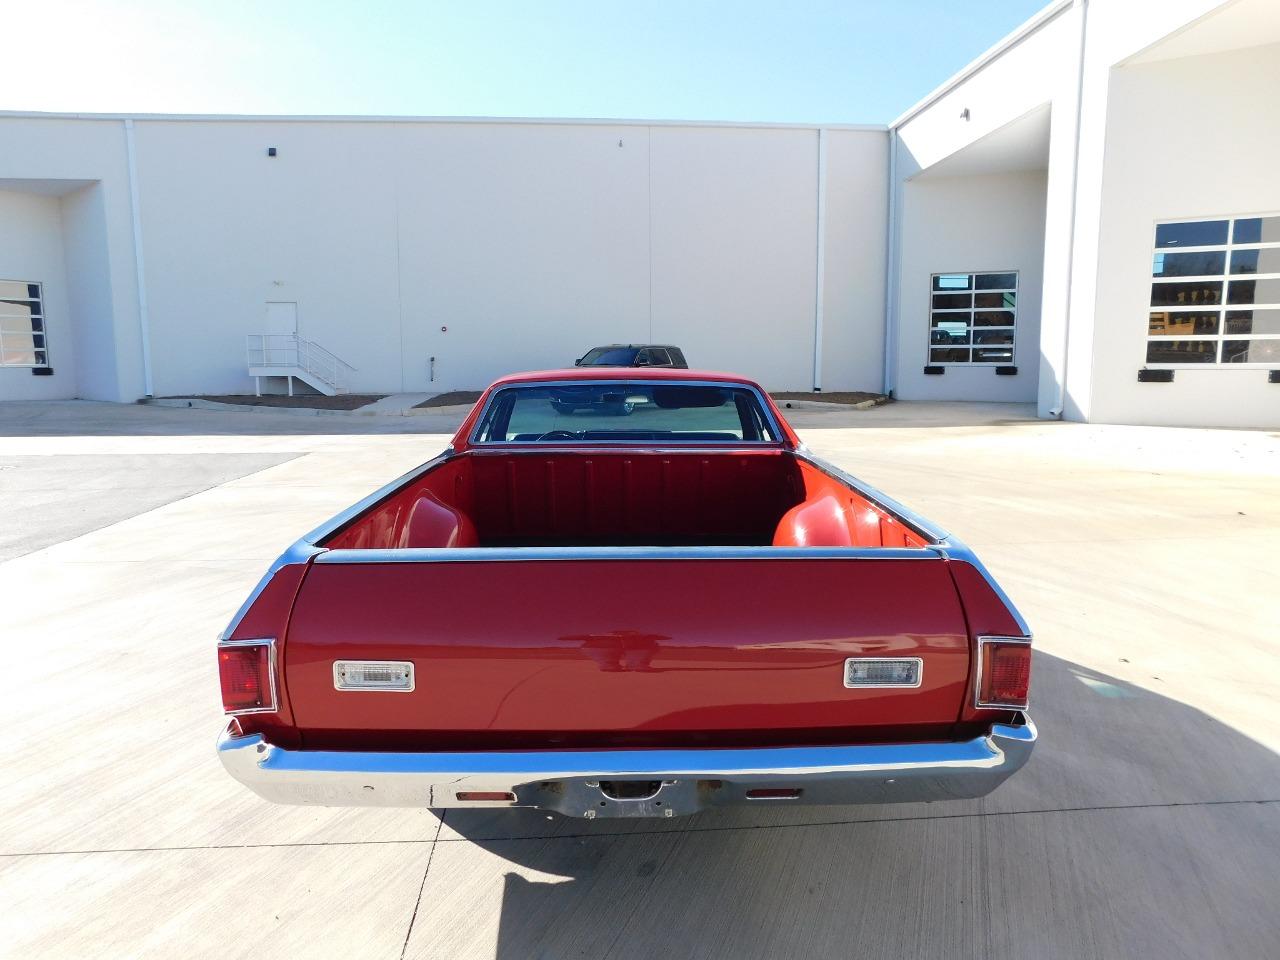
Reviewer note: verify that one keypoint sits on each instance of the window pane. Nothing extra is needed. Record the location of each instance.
(23, 357)
(18, 308)
(1202, 233)
(1251, 351)
(995, 281)
(1201, 293)
(993, 318)
(19, 289)
(16, 324)
(949, 355)
(19, 341)
(1257, 230)
(952, 281)
(993, 355)
(993, 337)
(997, 300)
(1266, 260)
(1253, 321)
(949, 332)
(946, 301)
(622, 412)
(1253, 291)
(42, 358)
(1182, 351)
(1188, 264)
(1163, 324)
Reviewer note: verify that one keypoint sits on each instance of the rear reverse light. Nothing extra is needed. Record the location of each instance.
(246, 674)
(1004, 672)
(883, 671)
(393, 675)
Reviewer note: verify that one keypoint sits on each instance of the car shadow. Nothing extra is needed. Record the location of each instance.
(1141, 827)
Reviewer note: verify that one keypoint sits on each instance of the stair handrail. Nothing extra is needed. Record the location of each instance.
(292, 350)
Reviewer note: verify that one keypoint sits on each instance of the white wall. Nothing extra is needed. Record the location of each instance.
(31, 251)
(1224, 102)
(84, 162)
(489, 246)
(854, 275)
(970, 225)
(734, 249)
(501, 246)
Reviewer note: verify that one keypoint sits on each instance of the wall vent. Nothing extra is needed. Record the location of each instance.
(935, 371)
(1155, 376)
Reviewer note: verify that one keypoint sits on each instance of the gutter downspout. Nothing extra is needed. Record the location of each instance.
(891, 269)
(144, 322)
(1060, 406)
(821, 254)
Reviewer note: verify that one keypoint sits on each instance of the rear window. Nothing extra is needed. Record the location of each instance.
(625, 413)
(609, 357)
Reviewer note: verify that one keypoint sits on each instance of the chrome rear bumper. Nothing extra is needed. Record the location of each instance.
(582, 783)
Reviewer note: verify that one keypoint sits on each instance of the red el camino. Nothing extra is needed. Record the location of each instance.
(625, 593)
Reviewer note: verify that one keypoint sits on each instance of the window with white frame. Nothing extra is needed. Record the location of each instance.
(972, 318)
(1215, 292)
(22, 332)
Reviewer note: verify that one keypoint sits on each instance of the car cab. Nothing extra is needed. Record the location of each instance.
(633, 355)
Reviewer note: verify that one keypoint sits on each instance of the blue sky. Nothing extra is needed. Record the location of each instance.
(860, 61)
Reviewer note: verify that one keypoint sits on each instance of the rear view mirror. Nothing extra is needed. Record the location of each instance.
(578, 362)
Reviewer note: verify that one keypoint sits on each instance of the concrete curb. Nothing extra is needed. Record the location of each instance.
(198, 404)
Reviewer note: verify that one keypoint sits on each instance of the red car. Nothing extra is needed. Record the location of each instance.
(639, 616)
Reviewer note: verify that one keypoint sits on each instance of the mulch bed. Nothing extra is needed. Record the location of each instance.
(451, 398)
(344, 401)
(852, 396)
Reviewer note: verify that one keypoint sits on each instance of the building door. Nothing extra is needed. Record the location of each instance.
(282, 317)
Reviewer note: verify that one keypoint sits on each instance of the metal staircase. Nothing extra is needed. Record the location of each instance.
(291, 356)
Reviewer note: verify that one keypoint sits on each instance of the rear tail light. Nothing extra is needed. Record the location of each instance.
(1004, 672)
(246, 674)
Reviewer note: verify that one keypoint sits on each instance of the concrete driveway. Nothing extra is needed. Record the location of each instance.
(1147, 824)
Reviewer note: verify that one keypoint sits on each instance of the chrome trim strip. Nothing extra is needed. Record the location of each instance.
(270, 644)
(766, 410)
(299, 552)
(340, 680)
(560, 779)
(977, 674)
(919, 524)
(918, 661)
(515, 554)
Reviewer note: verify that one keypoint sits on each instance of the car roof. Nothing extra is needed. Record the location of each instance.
(634, 346)
(623, 373)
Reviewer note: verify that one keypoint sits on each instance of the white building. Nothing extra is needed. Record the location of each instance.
(1087, 217)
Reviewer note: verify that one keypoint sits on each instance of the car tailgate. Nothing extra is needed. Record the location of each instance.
(579, 651)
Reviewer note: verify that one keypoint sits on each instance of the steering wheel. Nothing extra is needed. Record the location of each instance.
(559, 435)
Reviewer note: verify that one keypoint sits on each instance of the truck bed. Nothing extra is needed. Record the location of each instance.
(617, 498)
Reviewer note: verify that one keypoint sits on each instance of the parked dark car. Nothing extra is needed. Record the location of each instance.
(633, 355)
